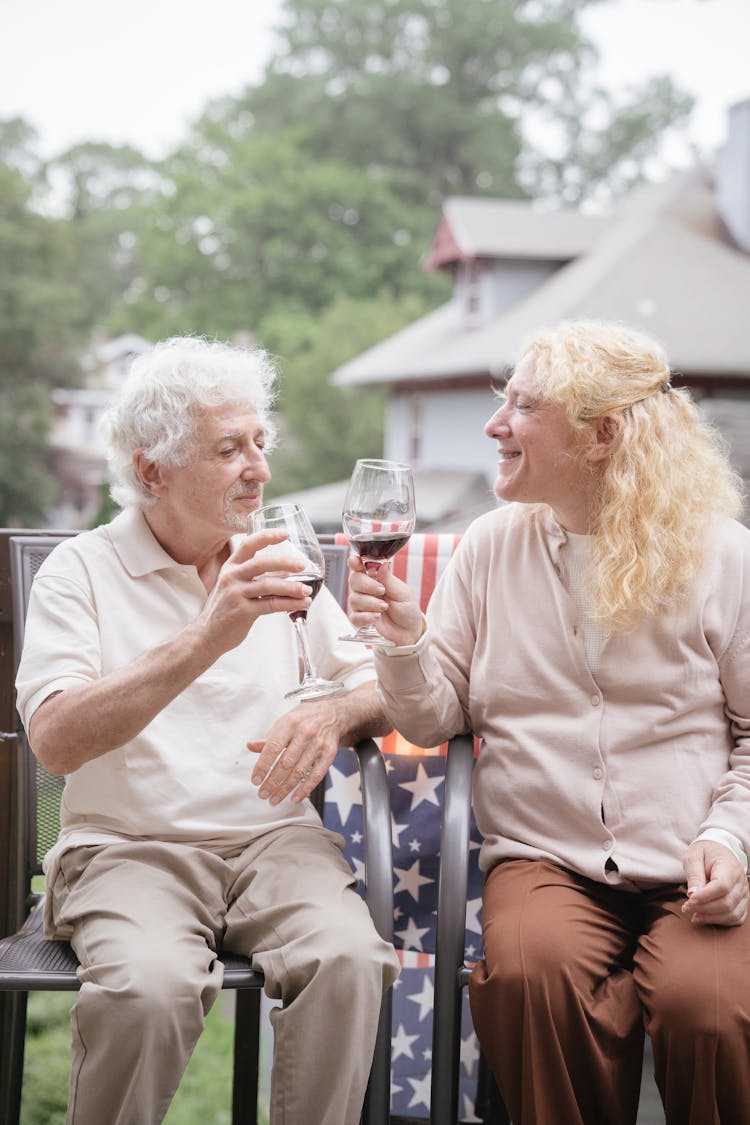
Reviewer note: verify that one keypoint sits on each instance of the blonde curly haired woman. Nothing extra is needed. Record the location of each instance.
(594, 632)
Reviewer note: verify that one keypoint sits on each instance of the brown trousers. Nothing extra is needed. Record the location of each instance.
(574, 971)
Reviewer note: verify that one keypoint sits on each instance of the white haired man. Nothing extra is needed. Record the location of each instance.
(158, 648)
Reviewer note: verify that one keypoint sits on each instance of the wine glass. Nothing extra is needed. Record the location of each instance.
(302, 543)
(378, 518)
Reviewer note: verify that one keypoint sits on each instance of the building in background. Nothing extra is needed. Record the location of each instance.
(673, 261)
(77, 453)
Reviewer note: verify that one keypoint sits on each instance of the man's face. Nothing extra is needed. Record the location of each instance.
(222, 483)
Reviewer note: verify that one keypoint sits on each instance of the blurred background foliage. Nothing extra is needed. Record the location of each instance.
(295, 214)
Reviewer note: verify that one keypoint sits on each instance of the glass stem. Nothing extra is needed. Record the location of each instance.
(300, 628)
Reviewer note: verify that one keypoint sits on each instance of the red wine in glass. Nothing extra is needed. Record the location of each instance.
(302, 543)
(378, 519)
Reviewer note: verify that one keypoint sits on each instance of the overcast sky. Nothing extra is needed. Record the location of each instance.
(139, 73)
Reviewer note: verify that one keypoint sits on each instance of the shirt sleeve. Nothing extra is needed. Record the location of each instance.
(729, 633)
(425, 687)
(62, 646)
(728, 840)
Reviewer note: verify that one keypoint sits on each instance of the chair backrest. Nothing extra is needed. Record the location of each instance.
(416, 779)
(39, 791)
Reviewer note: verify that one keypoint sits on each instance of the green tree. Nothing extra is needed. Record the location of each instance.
(441, 90)
(325, 428)
(42, 321)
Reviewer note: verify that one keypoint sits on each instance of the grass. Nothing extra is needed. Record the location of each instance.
(205, 1093)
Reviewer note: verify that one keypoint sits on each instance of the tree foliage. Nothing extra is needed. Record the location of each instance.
(298, 211)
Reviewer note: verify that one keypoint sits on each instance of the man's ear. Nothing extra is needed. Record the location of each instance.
(148, 473)
(606, 434)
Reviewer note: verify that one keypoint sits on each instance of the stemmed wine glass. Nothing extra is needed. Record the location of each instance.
(378, 518)
(302, 543)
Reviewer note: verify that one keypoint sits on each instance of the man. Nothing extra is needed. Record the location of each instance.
(156, 647)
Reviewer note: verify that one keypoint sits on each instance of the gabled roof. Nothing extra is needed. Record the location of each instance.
(663, 265)
(509, 228)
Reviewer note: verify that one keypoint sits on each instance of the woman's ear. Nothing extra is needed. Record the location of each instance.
(148, 473)
(606, 433)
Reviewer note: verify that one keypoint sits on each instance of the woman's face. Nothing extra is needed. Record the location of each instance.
(540, 453)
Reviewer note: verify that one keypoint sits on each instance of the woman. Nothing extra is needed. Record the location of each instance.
(595, 634)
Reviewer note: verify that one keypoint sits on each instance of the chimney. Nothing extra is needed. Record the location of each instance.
(733, 176)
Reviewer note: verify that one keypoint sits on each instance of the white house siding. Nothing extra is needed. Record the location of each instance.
(485, 289)
(450, 429)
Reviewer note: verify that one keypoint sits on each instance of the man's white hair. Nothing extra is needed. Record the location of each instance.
(156, 412)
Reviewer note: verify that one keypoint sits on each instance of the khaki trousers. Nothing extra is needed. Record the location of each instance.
(146, 921)
(574, 971)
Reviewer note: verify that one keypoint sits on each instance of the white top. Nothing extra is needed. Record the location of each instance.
(575, 558)
(100, 600)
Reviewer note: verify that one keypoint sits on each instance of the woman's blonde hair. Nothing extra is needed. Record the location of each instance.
(666, 477)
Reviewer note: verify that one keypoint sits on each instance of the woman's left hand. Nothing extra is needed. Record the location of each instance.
(718, 890)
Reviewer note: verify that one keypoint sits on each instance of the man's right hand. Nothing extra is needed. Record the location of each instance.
(251, 584)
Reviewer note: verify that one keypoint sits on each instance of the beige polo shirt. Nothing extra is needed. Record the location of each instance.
(612, 775)
(104, 597)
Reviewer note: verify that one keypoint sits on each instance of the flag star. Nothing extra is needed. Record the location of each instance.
(410, 880)
(401, 1044)
(469, 1052)
(356, 837)
(421, 1091)
(344, 791)
(397, 913)
(469, 952)
(427, 1054)
(425, 998)
(473, 907)
(389, 766)
(358, 867)
(423, 789)
(468, 1113)
(415, 845)
(412, 936)
(396, 830)
(394, 1088)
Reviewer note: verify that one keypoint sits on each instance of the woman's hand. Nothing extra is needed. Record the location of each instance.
(717, 885)
(384, 601)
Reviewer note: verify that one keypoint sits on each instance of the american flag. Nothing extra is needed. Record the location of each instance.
(416, 785)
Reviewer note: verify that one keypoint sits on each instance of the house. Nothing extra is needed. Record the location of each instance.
(77, 454)
(674, 262)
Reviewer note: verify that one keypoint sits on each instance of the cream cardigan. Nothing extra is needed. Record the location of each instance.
(612, 777)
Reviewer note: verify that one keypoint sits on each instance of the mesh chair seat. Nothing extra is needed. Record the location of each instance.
(29, 960)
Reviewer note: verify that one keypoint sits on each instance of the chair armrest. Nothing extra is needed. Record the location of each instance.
(451, 927)
(376, 814)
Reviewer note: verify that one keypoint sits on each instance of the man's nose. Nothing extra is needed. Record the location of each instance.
(256, 467)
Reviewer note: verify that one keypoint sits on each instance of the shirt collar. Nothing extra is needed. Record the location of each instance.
(139, 551)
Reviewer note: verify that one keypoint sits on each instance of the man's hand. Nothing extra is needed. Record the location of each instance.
(717, 886)
(297, 751)
(251, 584)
